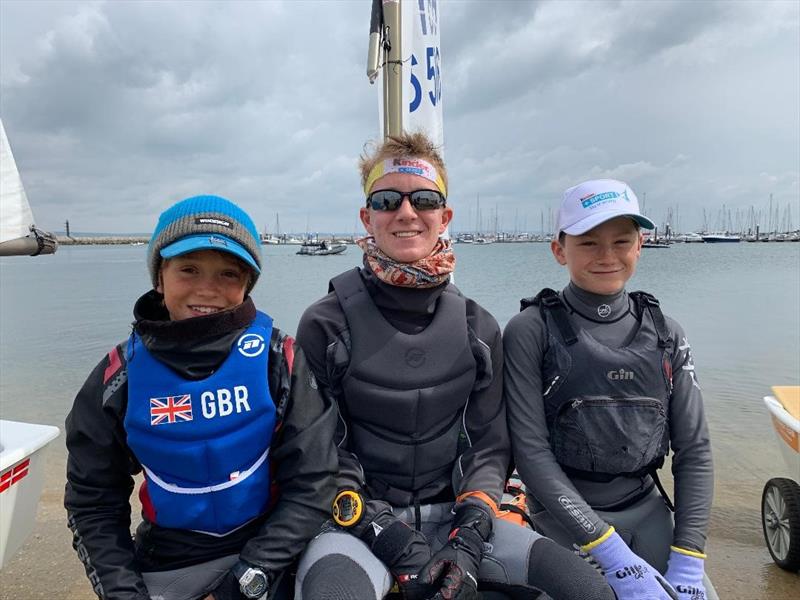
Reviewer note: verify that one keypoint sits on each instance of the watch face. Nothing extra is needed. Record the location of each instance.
(347, 508)
(254, 583)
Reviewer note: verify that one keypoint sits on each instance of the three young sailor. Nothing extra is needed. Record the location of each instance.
(235, 432)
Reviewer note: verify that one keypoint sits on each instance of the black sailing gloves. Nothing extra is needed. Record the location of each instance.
(402, 549)
(454, 568)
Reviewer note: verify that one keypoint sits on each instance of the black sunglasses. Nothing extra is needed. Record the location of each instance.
(419, 199)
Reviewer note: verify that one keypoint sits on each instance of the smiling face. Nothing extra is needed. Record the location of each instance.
(201, 283)
(405, 234)
(602, 259)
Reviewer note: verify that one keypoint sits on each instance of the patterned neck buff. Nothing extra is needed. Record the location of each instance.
(427, 272)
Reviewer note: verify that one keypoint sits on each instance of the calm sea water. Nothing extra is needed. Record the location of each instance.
(739, 304)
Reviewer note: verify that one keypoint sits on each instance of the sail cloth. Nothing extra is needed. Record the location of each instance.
(18, 234)
(415, 54)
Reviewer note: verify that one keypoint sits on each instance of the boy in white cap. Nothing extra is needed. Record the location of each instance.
(218, 409)
(599, 385)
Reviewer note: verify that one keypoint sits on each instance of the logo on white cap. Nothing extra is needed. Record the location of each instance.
(593, 199)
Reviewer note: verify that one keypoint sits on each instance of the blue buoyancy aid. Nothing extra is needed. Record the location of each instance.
(203, 444)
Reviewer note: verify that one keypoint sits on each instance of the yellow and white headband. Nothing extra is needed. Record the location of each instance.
(410, 166)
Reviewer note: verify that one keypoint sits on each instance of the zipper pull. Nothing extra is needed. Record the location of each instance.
(576, 403)
(552, 383)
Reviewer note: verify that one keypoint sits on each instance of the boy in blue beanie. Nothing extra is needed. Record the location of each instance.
(218, 409)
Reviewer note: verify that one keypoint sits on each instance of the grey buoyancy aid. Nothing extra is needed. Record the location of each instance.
(405, 395)
(606, 408)
(203, 444)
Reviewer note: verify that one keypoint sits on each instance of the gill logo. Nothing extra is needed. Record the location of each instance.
(635, 571)
(620, 375)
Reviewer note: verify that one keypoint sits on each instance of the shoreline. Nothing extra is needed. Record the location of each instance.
(134, 240)
(108, 240)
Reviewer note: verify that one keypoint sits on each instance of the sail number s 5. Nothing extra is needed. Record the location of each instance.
(433, 80)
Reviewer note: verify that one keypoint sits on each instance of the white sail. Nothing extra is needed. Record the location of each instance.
(16, 217)
(18, 234)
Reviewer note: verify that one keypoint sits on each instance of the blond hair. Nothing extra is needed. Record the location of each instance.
(405, 145)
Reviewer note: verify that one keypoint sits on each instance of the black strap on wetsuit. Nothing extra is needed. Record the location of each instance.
(548, 299)
(645, 301)
(664, 495)
(518, 511)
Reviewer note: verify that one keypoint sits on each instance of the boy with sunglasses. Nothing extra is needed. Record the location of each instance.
(212, 402)
(600, 384)
(415, 369)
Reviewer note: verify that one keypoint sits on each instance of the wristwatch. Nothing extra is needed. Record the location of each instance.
(253, 581)
(348, 508)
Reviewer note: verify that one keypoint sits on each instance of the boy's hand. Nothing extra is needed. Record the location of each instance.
(228, 589)
(685, 571)
(454, 568)
(627, 574)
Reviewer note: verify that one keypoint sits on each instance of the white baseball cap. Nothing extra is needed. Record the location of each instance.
(588, 204)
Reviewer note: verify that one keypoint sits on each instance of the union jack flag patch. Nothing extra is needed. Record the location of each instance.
(170, 409)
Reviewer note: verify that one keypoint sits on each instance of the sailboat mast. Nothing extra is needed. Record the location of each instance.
(393, 70)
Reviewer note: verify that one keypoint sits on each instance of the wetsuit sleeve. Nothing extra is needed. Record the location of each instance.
(692, 467)
(319, 331)
(304, 458)
(484, 464)
(524, 342)
(100, 482)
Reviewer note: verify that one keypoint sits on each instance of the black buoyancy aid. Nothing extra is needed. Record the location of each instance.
(405, 395)
(204, 444)
(606, 408)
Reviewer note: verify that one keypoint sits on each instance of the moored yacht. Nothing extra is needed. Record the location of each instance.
(715, 238)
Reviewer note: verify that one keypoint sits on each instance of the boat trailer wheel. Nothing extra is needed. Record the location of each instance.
(780, 519)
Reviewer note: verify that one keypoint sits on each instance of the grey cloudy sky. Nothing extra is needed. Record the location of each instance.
(116, 109)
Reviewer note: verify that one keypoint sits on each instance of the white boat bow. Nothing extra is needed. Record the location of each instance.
(21, 481)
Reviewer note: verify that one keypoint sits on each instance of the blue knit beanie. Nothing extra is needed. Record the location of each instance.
(204, 223)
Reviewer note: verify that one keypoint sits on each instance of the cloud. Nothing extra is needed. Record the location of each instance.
(115, 109)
